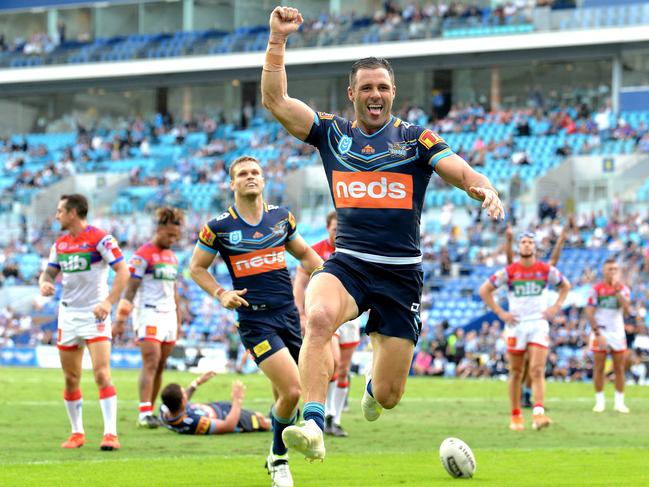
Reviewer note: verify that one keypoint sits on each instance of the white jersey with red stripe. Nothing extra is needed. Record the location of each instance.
(158, 269)
(84, 262)
(609, 313)
(525, 286)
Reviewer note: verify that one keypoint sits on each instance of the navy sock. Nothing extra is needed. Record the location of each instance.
(369, 388)
(314, 411)
(279, 424)
(527, 394)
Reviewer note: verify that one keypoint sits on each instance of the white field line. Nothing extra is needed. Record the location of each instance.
(404, 400)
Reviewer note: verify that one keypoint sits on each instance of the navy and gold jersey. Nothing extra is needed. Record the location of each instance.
(378, 183)
(254, 254)
(200, 419)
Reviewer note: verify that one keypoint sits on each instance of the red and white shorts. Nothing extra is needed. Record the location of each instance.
(615, 342)
(527, 333)
(349, 334)
(77, 327)
(152, 325)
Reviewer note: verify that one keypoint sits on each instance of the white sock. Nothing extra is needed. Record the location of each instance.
(146, 409)
(330, 407)
(340, 393)
(599, 398)
(75, 414)
(538, 410)
(619, 398)
(108, 402)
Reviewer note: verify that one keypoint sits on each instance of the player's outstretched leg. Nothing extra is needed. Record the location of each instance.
(386, 379)
(328, 305)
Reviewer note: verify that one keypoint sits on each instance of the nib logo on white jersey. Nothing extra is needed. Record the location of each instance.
(372, 190)
(258, 262)
(74, 262)
(528, 288)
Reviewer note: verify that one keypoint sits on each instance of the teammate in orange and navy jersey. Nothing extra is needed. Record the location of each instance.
(83, 256)
(607, 303)
(377, 167)
(252, 238)
(212, 418)
(527, 327)
(152, 295)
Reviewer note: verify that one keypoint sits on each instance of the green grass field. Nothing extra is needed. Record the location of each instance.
(580, 448)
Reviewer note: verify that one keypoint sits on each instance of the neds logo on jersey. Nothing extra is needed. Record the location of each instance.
(372, 190)
(258, 262)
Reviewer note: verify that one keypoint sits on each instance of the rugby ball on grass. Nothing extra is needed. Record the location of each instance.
(457, 458)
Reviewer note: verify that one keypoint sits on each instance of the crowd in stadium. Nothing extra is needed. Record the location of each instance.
(107, 139)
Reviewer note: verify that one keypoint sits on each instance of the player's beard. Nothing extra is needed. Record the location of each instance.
(527, 256)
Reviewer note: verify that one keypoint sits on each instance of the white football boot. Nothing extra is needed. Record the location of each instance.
(307, 439)
(371, 408)
(277, 466)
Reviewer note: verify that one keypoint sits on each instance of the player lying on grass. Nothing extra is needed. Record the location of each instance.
(212, 418)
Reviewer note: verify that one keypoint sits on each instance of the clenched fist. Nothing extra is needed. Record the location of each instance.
(285, 20)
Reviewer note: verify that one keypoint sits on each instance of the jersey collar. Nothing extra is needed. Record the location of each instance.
(355, 125)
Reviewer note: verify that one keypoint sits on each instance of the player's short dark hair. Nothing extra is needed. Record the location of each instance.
(76, 201)
(370, 63)
(239, 160)
(610, 260)
(172, 397)
(169, 216)
(331, 216)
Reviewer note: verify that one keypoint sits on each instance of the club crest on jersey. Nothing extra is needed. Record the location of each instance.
(344, 144)
(397, 150)
(368, 149)
(236, 237)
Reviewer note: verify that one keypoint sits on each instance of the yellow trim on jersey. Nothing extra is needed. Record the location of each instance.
(232, 212)
(265, 207)
(397, 122)
(354, 124)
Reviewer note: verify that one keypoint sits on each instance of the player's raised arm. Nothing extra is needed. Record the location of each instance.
(229, 424)
(558, 247)
(296, 117)
(455, 170)
(509, 244)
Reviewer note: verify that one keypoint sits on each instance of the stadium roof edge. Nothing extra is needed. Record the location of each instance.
(143, 68)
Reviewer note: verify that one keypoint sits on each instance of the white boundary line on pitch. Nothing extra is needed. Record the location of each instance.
(404, 400)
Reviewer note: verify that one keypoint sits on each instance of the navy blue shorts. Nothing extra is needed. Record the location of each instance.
(264, 333)
(392, 293)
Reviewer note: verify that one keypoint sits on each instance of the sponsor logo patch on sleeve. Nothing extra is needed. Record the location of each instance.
(428, 138)
(207, 236)
(325, 116)
(203, 426)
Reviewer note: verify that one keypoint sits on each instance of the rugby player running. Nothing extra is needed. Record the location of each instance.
(252, 238)
(377, 167)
